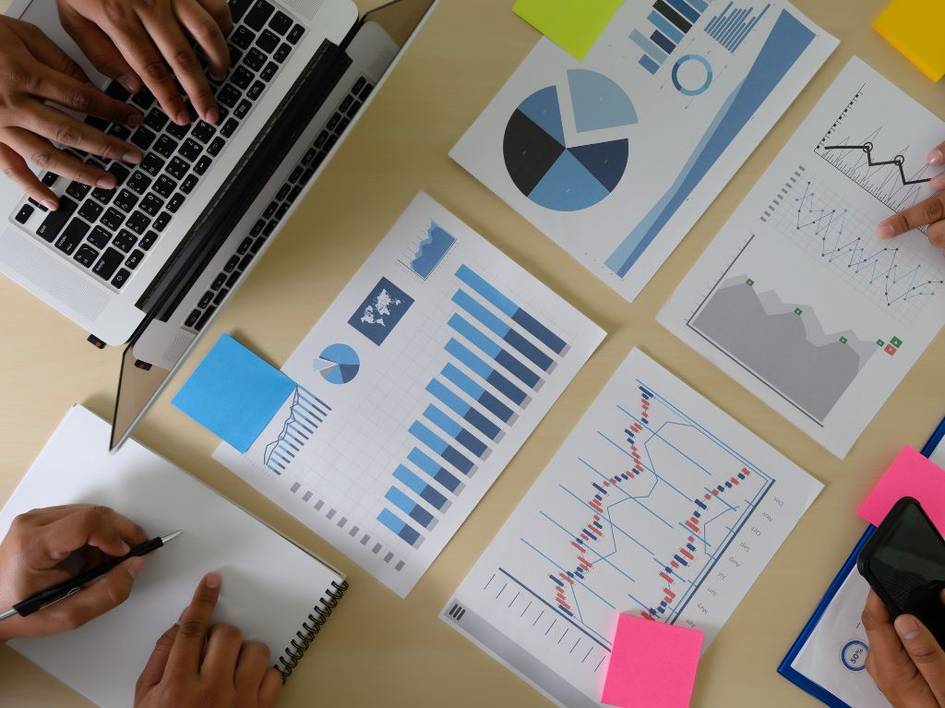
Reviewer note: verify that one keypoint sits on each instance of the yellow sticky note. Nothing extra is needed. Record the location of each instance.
(915, 27)
(574, 25)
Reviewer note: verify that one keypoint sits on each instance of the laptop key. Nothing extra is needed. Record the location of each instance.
(280, 23)
(162, 221)
(152, 164)
(203, 131)
(268, 41)
(177, 168)
(147, 240)
(190, 149)
(165, 146)
(125, 241)
(218, 282)
(366, 91)
(121, 277)
(164, 186)
(255, 91)
(254, 59)
(139, 182)
(234, 276)
(215, 146)
(231, 264)
(138, 222)
(269, 71)
(126, 200)
(295, 34)
(106, 265)
(156, 119)
(359, 84)
(178, 131)
(117, 91)
(24, 214)
(175, 202)
(228, 95)
(119, 131)
(77, 190)
(187, 186)
(143, 137)
(151, 205)
(258, 14)
(242, 37)
(202, 165)
(244, 246)
(56, 220)
(242, 109)
(90, 210)
(205, 317)
(218, 298)
(72, 236)
(206, 299)
(49, 179)
(134, 259)
(86, 255)
(99, 237)
(192, 318)
(241, 77)
(282, 53)
(144, 99)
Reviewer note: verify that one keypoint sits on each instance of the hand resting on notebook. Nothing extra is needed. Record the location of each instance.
(47, 546)
(930, 212)
(905, 661)
(199, 665)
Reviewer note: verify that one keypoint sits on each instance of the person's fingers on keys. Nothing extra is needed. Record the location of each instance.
(887, 663)
(270, 688)
(930, 211)
(207, 31)
(925, 653)
(96, 526)
(164, 28)
(154, 670)
(46, 156)
(15, 167)
(98, 47)
(194, 625)
(65, 130)
(98, 597)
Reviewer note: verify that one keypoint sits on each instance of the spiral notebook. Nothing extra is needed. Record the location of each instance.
(272, 589)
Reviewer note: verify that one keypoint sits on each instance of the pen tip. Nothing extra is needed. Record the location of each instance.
(171, 536)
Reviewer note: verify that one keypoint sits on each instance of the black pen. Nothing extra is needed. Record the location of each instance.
(68, 587)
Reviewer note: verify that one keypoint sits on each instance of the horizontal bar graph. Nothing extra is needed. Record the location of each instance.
(498, 355)
(306, 413)
(671, 20)
(731, 26)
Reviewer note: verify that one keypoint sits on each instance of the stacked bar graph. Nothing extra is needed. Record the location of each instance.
(306, 413)
(671, 21)
(730, 27)
(497, 356)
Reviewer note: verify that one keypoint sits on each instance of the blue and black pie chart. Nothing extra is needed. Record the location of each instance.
(545, 168)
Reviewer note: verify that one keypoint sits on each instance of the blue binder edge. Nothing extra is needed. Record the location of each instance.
(784, 668)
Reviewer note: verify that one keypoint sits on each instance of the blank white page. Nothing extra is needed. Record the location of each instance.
(269, 585)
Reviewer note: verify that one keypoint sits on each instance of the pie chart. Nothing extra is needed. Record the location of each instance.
(565, 177)
(338, 364)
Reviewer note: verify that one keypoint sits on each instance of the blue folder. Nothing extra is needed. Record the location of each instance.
(849, 566)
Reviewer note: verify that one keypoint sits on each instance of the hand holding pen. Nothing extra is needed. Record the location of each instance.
(45, 547)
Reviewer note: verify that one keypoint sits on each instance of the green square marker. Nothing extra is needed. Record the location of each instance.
(843, 340)
(750, 282)
(880, 343)
(896, 342)
(797, 311)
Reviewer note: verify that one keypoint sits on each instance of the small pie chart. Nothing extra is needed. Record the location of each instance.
(338, 364)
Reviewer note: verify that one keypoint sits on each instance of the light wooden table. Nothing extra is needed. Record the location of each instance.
(378, 648)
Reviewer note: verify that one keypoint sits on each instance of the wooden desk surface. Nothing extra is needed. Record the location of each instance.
(378, 647)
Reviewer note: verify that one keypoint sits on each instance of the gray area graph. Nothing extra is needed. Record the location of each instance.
(783, 344)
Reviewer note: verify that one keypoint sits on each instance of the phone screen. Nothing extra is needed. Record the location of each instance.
(909, 564)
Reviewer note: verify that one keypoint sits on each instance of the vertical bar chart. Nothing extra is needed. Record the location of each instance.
(671, 21)
(496, 350)
(731, 26)
(306, 413)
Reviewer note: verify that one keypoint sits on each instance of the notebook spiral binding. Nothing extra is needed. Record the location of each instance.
(292, 654)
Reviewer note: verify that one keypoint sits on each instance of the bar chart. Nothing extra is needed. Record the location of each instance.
(731, 26)
(495, 351)
(306, 412)
(671, 21)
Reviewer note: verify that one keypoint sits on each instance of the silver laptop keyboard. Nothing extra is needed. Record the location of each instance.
(266, 224)
(110, 231)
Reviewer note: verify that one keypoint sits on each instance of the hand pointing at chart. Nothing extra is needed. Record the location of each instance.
(929, 213)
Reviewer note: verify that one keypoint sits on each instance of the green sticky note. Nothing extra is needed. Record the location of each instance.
(574, 25)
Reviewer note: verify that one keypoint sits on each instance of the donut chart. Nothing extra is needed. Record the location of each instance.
(542, 165)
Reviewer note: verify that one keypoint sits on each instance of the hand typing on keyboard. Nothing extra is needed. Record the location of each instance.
(149, 42)
(33, 71)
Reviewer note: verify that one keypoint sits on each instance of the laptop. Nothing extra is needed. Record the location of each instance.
(150, 263)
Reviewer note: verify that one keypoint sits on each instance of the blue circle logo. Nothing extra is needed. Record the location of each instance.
(853, 655)
(694, 90)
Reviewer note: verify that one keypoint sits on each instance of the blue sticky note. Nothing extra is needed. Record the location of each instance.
(233, 393)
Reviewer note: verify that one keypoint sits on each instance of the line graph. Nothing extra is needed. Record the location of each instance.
(850, 150)
(306, 413)
(893, 277)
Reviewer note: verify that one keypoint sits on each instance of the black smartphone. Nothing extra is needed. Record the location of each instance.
(904, 562)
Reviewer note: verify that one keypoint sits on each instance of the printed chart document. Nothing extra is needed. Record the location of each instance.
(796, 298)
(616, 157)
(658, 504)
(415, 390)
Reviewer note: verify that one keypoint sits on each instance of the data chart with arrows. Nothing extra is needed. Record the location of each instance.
(797, 298)
(658, 504)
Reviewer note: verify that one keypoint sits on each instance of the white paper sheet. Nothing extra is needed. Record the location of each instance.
(796, 298)
(447, 355)
(270, 586)
(616, 163)
(657, 504)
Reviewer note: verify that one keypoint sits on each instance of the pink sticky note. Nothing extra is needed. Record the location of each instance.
(910, 475)
(652, 665)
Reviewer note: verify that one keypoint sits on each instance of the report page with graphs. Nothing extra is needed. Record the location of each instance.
(796, 298)
(658, 504)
